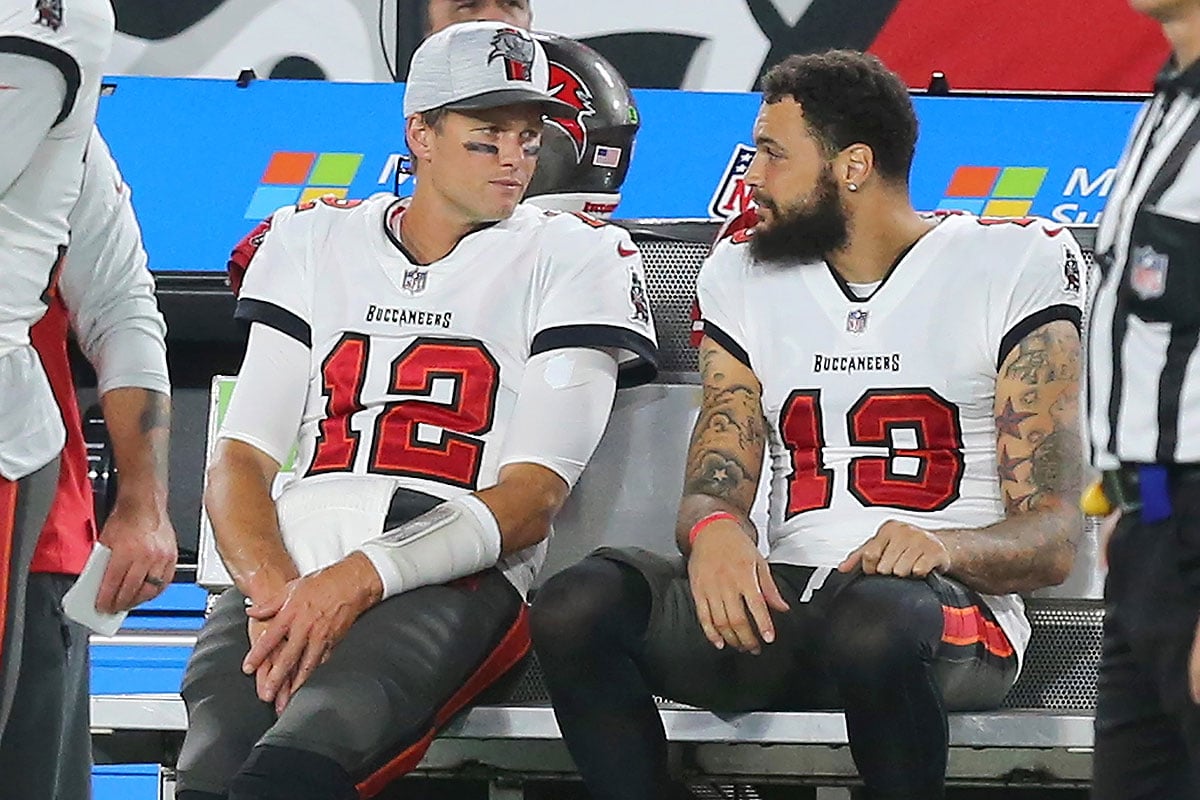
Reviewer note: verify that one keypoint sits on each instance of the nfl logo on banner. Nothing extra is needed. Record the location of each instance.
(856, 321)
(732, 197)
(414, 280)
(1148, 278)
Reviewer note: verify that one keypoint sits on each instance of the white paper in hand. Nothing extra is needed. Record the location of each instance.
(79, 603)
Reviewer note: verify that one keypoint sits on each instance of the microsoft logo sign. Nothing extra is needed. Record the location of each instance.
(292, 178)
(994, 191)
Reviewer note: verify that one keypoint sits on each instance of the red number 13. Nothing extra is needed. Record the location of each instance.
(889, 419)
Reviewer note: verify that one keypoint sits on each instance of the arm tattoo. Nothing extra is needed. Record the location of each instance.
(1039, 463)
(1054, 465)
(156, 413)
(1037, 430)
(1030, 363)
(155, 425)
(725, 454)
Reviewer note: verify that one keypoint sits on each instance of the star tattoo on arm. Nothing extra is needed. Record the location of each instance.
(1008, 421)
(1007, 465)
(726, 451)
(1039, 463)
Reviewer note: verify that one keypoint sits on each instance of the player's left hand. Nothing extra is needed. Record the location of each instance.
(1194, 667)
(142, 563)
(899, 549)
(304, 623)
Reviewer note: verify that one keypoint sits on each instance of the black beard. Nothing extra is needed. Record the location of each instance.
(804, 232)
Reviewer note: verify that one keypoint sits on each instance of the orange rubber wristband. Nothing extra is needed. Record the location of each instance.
(704, 522)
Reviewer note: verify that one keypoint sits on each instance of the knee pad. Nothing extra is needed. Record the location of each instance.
(882, 626)
(597, 597)
(288, 773)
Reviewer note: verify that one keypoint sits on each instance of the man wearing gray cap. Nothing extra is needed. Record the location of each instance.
(447, 364)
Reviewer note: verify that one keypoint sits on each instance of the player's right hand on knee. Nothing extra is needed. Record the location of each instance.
(733, 588)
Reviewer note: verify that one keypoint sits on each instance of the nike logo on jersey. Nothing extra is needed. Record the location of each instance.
(626, 252)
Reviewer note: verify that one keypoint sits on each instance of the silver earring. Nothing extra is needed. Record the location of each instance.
(852, 187)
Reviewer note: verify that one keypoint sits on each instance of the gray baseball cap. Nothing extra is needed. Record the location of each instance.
(474, 65)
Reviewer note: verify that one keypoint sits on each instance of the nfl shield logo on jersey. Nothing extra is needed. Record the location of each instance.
(1148, 278)
(856, 321)
(414, 280)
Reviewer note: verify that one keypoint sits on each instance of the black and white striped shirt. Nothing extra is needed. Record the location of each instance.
(1144, 388)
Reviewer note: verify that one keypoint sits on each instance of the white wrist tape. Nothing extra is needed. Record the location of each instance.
(458, 538)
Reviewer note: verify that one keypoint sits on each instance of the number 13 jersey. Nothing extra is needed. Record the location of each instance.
(884, 407)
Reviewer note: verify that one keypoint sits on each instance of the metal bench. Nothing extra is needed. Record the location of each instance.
(1041, 737)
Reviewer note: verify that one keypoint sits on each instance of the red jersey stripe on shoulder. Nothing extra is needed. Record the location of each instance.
(741, 224)
(243, 252)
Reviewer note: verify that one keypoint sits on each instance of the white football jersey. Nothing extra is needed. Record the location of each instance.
(415, 369)
(74, 37)
(883, 408)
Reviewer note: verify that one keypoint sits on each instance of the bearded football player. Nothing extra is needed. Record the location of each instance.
(914, 385)
(447, 363)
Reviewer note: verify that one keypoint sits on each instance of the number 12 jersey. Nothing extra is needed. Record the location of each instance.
(415, 368)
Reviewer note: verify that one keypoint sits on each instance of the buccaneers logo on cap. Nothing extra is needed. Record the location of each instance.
(565, 85)
(49, 13)
(517, 50)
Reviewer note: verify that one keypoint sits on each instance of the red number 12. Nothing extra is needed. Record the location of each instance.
(395, 449)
